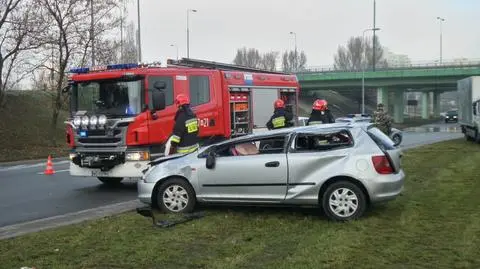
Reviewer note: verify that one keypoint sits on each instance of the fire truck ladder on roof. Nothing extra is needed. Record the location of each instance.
(194, 63)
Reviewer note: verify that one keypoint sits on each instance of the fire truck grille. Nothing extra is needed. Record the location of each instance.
(102, 140)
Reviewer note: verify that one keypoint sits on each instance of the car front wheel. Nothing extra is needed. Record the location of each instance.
(176, 196)
(344, 201)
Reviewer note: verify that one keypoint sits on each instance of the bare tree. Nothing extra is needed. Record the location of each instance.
(358, 53)
(19, 32)
(292, 62)
(269, 61)
(69, 40)
(248, 57)
(130, 49)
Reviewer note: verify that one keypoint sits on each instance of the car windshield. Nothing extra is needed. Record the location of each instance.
(109, 97)
(452, 113)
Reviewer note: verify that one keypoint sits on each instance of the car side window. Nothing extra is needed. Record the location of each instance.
(322, 142)
(269, 145)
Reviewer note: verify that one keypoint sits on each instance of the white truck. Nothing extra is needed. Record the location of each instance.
(469, 107)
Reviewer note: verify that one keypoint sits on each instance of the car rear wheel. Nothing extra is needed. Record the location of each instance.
(344, 201)
(176, 196)
(110, 180)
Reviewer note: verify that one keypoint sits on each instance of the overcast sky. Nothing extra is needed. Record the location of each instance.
(221, 26)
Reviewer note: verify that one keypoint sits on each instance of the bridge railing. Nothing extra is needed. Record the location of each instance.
(454, 64)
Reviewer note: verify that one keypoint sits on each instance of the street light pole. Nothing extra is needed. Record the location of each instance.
(139, 39)
(363, 67)
(374, 41)
(188, 31)
(296, 57)
(441, 20)
(175, 45)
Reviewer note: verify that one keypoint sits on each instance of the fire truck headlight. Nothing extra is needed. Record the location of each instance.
(93, 120)
(77, 121)
(137, 156)
(85, 120)
(102, 119)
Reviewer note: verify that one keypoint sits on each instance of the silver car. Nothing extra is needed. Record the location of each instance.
(341, 168)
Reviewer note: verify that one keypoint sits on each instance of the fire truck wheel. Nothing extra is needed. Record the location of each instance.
(110, 180)
(176, 196)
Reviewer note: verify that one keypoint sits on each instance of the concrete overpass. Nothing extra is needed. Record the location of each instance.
(430, 79)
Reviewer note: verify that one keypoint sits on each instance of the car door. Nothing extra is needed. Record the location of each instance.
(260, 177)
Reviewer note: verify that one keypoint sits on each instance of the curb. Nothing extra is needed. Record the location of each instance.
(15, 230)
(35, 161)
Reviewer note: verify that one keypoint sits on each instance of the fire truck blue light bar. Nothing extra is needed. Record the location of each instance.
(83, 70)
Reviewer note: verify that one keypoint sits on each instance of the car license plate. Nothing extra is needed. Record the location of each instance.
(98, 173)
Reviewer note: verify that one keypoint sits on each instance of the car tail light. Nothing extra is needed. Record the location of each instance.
(382, 165)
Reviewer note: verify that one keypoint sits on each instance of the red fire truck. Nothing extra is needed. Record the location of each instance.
(122, 115)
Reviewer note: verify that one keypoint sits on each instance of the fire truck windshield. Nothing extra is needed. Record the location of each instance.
(109, 97)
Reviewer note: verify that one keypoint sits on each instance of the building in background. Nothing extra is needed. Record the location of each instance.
(397, 60)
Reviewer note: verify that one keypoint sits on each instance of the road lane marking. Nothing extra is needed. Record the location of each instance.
(56, 171)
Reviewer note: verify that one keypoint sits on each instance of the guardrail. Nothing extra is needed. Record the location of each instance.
(417, 65)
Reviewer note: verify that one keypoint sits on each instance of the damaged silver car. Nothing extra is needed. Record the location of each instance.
(340, 168)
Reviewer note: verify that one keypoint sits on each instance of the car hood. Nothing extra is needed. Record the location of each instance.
(166, 158)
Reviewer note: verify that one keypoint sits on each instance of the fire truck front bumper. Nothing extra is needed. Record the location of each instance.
(99, 166)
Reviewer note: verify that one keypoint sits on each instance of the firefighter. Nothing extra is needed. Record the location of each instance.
(320, 113)
(184, 138)
(382, 120)
(280, 118)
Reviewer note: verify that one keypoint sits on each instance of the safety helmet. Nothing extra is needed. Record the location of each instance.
(279, 103)
(182, 99)
(320, 104)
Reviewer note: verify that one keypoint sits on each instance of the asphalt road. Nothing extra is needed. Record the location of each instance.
(26, 194)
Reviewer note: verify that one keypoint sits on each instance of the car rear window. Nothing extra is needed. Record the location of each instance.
(381, 139)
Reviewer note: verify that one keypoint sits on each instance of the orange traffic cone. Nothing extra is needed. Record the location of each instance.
(49, 170)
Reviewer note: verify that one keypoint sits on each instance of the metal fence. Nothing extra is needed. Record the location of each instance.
(454, 64)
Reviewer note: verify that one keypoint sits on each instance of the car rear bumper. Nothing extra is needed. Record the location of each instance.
(387, 187)
(145, 191)
(127, 169)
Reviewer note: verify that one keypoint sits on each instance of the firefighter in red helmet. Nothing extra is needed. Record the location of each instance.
(280, 118)
(184, 138)
(320, 113)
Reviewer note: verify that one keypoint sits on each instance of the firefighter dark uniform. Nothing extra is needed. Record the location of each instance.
(280, 118)
(184, 138)
(320, 113)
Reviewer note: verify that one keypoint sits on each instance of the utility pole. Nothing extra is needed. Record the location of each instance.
(441, 20)
(373, 44)
(139, 39)
(92, 38)
(188, 31)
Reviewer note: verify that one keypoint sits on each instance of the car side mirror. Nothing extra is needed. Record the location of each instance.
(210, 163)
(158, 100)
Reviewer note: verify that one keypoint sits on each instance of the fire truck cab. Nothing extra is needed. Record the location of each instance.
(122, 115)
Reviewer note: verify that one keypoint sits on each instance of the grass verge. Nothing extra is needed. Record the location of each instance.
(434, 224)
(24, 127)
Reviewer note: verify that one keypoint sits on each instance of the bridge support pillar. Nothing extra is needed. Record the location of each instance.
(436, 104)
(399, 106)
(425, 105)
(382, 96)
